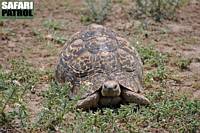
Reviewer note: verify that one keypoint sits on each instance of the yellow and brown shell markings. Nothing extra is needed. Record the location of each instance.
(106, 63)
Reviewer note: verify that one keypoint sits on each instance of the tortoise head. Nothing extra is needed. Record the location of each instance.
(110, 88)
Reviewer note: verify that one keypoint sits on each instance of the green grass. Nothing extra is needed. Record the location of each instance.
(158, 9)
(154, 60)
(55, 105)
(168, 111)
(183, 64)
(14, 85)
(97, 11)
(150, 56)
(5, 31)
(52, 24)
(56, 38)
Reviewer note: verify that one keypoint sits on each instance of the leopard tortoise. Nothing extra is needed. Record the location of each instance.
(106, 64)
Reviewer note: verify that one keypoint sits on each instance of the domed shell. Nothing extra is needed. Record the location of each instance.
(97, 54)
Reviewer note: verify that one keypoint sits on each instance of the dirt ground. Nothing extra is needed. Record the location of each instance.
(31, 40)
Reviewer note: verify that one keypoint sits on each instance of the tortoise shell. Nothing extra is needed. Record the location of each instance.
(97, 54)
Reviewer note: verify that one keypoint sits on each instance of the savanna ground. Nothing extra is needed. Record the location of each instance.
(31, 101)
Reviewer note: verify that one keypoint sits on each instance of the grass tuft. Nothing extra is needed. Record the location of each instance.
(14, 85)
(98, 10)
(158, 9)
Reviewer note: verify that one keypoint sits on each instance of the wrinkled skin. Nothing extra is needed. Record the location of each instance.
(106, 63)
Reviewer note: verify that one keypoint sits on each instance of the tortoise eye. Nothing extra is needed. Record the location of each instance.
(115, 87)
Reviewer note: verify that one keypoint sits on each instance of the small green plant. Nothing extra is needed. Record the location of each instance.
(167, 111)
(5, 31)
(183, 63)
(86, 19)
(37, 34)
(55, 105)
(152, 58)
(98, 9)
(55, 37)
(1, 22)
(58, 114)
(52, 24)
(13, 88)
(158, 9)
